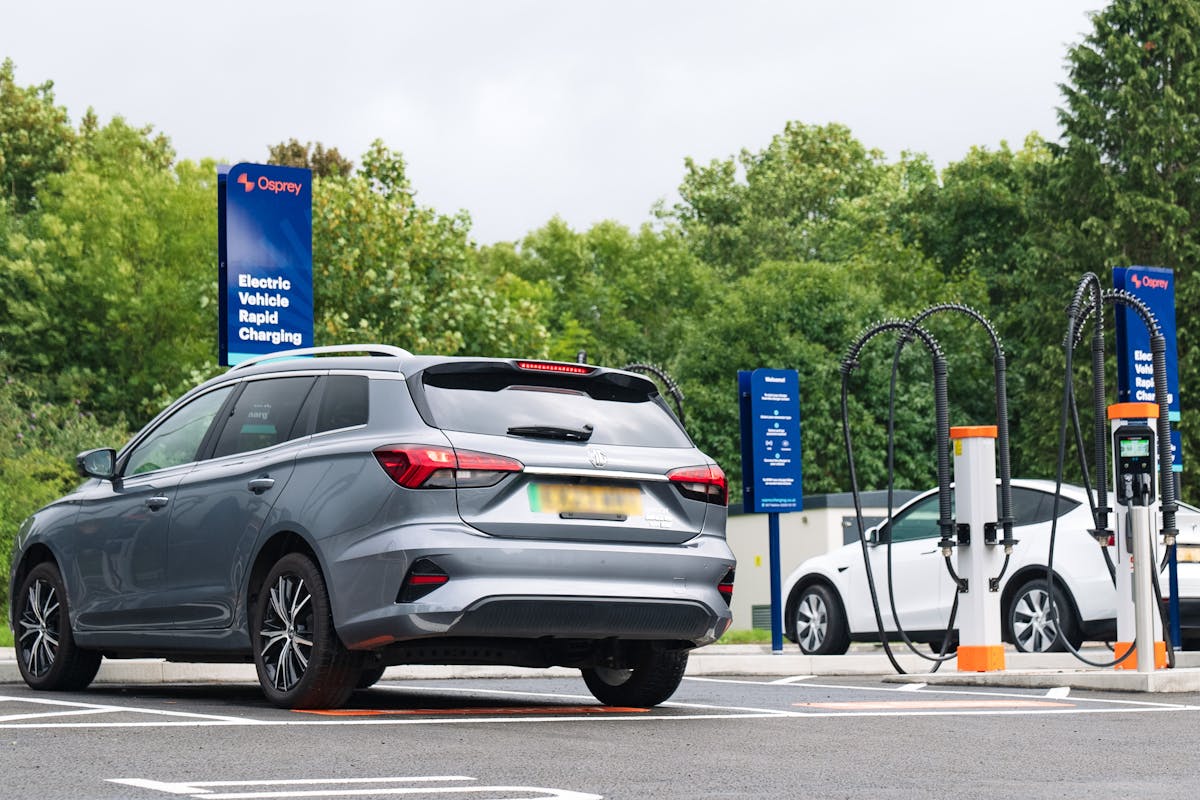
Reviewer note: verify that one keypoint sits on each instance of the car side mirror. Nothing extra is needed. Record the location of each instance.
(873, 536)
(100, 463)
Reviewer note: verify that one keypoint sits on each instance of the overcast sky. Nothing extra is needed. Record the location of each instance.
(516, 111)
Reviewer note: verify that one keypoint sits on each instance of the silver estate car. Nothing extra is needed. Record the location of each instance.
(330, 515)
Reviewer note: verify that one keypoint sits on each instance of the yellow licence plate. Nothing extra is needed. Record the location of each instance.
(552, 498)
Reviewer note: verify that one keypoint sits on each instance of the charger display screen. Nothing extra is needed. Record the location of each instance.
(1134, 448)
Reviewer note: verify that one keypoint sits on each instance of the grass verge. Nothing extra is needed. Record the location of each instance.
(752, 636)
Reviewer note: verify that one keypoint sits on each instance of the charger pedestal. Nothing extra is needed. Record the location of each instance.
(1139, 625)
(978, 558)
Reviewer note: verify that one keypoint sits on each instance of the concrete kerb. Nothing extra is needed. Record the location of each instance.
(1024, 670)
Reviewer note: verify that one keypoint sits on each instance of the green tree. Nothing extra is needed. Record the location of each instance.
(985, 221)
(803, 316)
(620, 295)
(35, 137)
(386, 269)
(107, 291)
(1128, 189)
(323, 163)
(792, 188)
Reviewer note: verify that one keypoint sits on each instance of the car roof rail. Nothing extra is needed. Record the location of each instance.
(370, 349)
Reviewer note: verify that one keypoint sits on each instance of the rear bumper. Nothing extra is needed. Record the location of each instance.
(505, 589)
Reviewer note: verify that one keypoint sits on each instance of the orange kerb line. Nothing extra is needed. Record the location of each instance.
(433, 712)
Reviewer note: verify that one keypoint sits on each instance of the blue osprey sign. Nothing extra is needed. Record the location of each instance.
(265, 252)
(1155, 287)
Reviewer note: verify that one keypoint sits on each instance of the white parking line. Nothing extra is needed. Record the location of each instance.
(47, 714)
(102, 708)
(680, 711)
(912, 687)
(378, 786)
(956, 690)
(793, 679)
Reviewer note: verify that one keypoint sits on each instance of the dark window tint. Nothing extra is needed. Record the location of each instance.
(263, 415)
(611, 408)
(1030, 506)
(343, 402)
(176, 440)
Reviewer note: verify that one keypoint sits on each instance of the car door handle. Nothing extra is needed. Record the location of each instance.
(260, 485)
(157, 502)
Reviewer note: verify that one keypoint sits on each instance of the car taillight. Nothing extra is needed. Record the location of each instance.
(725, 587)
(555, 366)
(706, 482)
(423, 577)
(430, 467)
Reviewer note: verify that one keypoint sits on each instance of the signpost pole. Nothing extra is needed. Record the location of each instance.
(776, 584)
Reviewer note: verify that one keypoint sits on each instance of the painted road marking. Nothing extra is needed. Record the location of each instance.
(530, 713)
(75, 708)
(1059, 691)
(377, 786)
(918, 705)
(793, 679)
(912, 687)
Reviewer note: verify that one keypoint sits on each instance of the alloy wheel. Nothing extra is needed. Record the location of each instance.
(287, 632)
(39, 628)
(1033, 621)
(812, 622)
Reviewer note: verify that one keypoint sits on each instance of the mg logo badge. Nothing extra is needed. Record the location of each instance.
(597, 458)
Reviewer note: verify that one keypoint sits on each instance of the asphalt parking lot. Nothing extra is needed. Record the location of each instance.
(512, 738)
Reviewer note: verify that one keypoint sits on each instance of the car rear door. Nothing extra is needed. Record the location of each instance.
(223, 502)
(601, 456)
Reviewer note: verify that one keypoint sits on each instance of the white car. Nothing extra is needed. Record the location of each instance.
(828, 602)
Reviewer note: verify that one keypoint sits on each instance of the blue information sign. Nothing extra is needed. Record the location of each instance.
(1155, 287)
(771, 462)
(265, 244)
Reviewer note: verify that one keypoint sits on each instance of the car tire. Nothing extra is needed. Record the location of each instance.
(47, 655)
(369, 677)
(1030, 619)
(650, 681)
(301, 662)
(820, 622)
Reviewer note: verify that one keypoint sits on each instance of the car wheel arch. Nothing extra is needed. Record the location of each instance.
(38, 553)
(275, 547)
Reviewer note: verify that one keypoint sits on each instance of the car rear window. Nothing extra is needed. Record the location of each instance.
(344, 403)
(263, 415)
(1032, 507)
(620, 409)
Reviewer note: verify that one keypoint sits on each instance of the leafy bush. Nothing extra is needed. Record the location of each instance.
(38, 444)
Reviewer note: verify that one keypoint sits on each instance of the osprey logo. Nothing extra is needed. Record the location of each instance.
(597, 458)
(268, 185)
(1145, 281)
